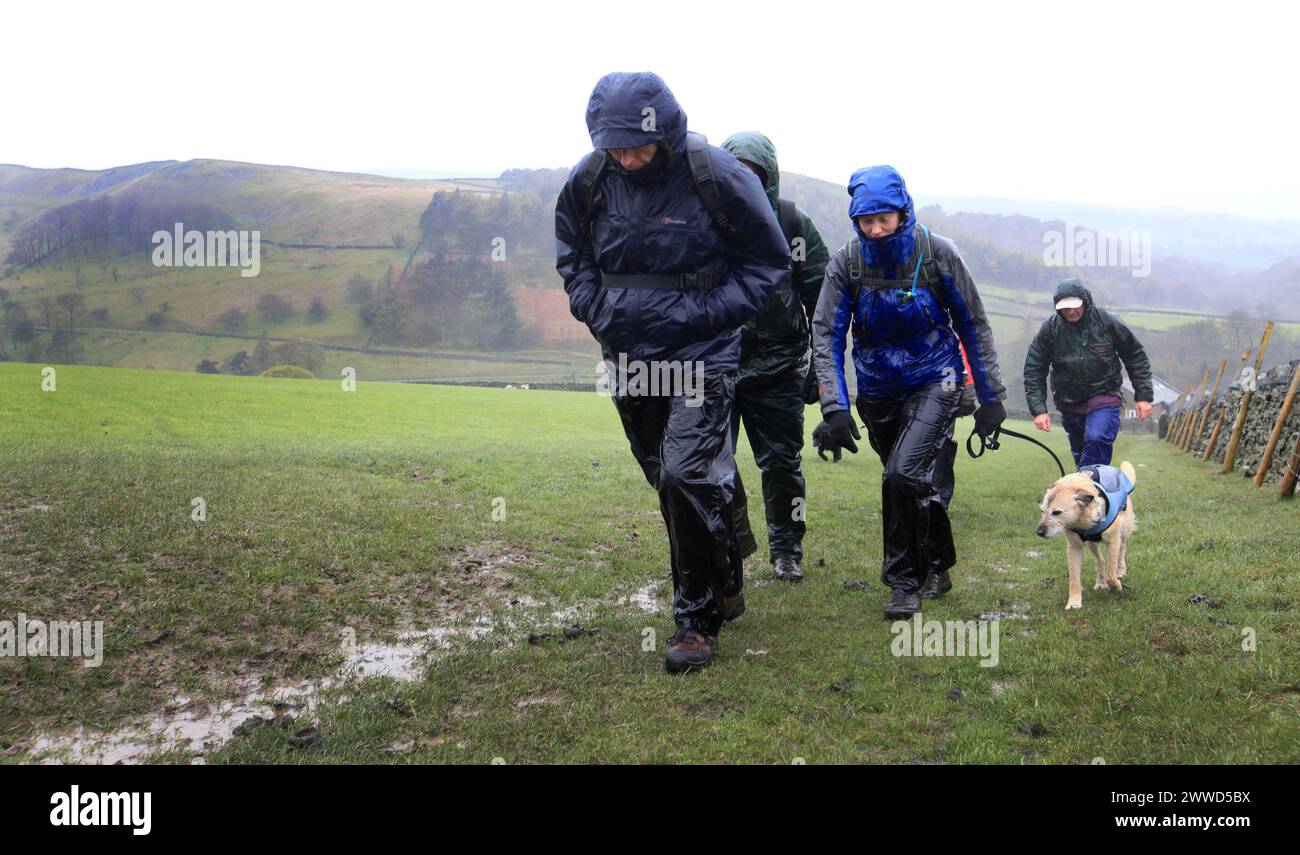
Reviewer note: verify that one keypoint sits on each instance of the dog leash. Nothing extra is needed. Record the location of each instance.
(991, 443)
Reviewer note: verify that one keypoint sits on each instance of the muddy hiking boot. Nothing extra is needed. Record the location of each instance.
(902, 604)
(689, 650)
(787, 568)
(733, 607)
(936, 585)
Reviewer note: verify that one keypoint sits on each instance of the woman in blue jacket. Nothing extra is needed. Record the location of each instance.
(909, 299)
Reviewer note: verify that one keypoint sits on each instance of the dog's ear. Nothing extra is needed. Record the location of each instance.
(1084, 498)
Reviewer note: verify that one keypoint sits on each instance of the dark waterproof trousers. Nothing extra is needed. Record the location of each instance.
(913, 437)
(772, 410)
(686, 454)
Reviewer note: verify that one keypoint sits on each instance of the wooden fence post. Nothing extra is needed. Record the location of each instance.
(1192, 414)
(1205, 412)
(1287, 487)
(1277, 427)
(1230, 456)
(1223, 414)
(1178, 417)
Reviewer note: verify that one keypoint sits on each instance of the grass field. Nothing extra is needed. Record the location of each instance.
(369, 515)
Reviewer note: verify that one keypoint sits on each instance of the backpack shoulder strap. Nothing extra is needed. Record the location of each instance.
(854, 250)
(700, 163)
(785, 214)
(930, 276)
(589, 175)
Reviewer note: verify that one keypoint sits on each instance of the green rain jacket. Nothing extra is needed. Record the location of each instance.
(776, 341)
(1084, 356)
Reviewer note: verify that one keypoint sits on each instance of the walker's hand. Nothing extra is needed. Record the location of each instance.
(1043, 421)
(1143, 409)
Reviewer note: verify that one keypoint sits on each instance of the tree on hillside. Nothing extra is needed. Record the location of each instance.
(261, 353)
(305, 354)
(14, 312)
(155, 319)
(238, 363)
(316, 313)
(137, 294)
(359, 289)
(1241, 331)
(207, 366)
(71, 303)
(232, 318)
(63, 347)
(100, 314)
(46, 305)
(23, 332)
(274, 309)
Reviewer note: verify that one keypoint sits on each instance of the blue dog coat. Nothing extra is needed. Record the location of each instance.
(1115, 487)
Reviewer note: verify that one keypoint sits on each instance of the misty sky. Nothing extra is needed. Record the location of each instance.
(1129, 104)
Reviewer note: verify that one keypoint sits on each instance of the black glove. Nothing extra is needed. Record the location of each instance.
(836, 432)
(989, 417)
(822, 442)
(811, 389)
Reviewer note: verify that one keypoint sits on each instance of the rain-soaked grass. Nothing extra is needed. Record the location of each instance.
(361, 516)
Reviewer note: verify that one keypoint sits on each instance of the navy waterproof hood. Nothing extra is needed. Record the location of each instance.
(632, 108)
(876, 190)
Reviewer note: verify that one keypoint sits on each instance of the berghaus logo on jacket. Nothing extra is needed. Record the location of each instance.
(669, 221)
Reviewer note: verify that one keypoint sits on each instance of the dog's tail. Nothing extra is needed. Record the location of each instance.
(1127, 469)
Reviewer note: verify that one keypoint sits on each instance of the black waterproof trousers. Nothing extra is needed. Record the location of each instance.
(686, 454)
(772, 410)
(913, 437)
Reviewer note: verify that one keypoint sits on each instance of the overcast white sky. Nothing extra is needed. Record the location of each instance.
(1127, 103)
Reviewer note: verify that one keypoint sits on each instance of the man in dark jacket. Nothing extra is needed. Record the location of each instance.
(912, 307)
(1083, 346)
(663, 280)
(774, 367)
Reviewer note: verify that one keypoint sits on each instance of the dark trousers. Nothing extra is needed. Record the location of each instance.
(913, 438)
(687, 456)
(1092, 436)
(772, 410)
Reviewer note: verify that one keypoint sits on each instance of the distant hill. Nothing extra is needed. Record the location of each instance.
(385, 269)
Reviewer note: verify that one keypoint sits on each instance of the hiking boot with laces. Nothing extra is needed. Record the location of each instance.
(787, 568)
(689, 650)
(936, 585)
(902, 604)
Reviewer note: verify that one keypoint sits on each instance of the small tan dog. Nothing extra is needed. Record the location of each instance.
(1084, 509)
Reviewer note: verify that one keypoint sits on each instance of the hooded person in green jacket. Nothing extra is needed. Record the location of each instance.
(775, 367)
(1082, 347)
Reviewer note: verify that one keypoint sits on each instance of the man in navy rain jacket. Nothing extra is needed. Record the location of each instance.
(662, 283)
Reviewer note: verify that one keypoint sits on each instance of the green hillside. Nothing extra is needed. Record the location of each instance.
(137, 315)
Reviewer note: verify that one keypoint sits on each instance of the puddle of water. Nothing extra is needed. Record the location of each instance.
(403, 659)
(202, 730)
(645, 598)
(196, 730)
(1016, 612)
